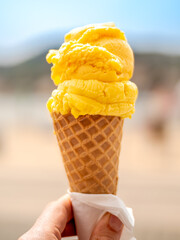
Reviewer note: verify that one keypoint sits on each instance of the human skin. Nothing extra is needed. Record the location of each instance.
(57, 221)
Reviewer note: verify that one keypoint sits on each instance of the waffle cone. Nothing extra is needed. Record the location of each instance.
(90, 147)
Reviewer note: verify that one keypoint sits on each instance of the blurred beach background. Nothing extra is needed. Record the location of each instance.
(31, 169)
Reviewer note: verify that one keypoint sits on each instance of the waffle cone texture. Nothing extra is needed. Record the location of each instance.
(90, 147)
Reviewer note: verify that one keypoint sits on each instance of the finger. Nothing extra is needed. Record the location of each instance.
(109, 227)
(70, 229)
(52, 221)
(57, 214)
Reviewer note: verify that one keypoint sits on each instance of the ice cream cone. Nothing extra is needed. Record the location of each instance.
(90, 147)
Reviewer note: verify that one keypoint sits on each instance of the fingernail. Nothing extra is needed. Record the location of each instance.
(115, 223)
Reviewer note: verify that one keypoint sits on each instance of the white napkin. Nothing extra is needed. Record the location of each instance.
(89, 208)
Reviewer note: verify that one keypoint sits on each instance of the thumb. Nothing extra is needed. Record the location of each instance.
(109, 227)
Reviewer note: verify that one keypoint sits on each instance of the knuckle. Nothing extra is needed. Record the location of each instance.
(57, 233)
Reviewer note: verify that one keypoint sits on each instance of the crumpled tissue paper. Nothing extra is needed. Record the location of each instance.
(89, 208)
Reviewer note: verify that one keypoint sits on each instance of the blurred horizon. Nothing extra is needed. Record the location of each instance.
(149, 26)
(36, 45)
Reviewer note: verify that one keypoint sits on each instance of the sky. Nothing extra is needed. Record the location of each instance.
(21, 20)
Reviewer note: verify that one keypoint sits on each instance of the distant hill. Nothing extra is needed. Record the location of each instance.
(151, 70)
(25, 75)
(33, 73)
